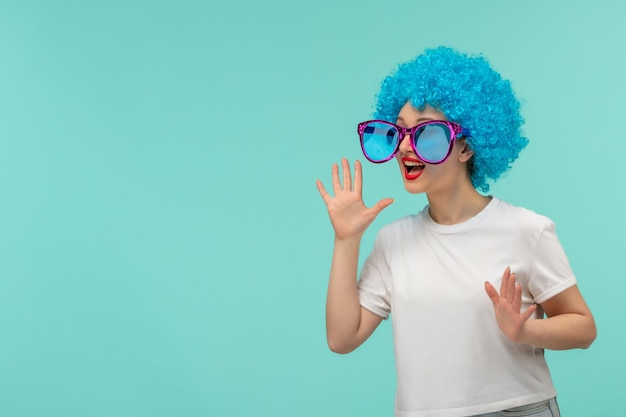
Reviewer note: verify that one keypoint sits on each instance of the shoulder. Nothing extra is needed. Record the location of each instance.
(522, 218)
(401, 225)
(394, 233)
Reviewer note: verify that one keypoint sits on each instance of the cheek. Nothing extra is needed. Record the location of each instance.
(454, 157)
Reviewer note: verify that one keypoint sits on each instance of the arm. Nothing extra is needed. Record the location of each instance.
(569, 324)
(347, 323)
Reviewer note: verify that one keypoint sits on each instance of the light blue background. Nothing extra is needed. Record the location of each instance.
(163, 249)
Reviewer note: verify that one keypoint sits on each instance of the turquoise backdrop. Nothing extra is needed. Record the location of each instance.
(163, 248)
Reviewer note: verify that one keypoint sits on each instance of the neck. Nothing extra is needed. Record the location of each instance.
(456, 205)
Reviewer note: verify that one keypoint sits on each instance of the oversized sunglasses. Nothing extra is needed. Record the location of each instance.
(432, 141)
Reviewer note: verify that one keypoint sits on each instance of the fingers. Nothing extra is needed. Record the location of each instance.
(336, 183)
(492, 293)
(517, 299)
(347, 176)
(358, 177)
(382, 204)
(510, 290)
(320, 187)
(508, 286)
(345, 183)
(504, 285)
(529, 312)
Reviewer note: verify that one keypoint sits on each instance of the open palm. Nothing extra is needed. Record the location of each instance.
(507, 306)
(348, 213)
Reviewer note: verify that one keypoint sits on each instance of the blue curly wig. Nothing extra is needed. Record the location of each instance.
(467, 91)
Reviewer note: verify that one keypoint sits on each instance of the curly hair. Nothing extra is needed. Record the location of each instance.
(467, 91)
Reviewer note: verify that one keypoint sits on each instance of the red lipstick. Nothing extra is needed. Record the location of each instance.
(413, 168)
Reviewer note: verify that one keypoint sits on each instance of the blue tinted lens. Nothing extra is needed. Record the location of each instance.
(379, 141)
(432, 142)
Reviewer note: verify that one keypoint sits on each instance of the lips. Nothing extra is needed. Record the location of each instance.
(413, 168)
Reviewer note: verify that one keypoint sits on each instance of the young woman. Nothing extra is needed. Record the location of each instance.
(477, 288)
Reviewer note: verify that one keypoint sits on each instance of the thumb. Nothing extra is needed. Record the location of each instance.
(529, 312)
(382, 204)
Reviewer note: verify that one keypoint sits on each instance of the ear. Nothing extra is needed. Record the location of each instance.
(466, 153)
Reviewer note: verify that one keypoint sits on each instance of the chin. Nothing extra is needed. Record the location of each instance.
(414, 188)
(411, 191)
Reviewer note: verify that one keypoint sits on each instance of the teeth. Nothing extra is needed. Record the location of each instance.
(413, 164)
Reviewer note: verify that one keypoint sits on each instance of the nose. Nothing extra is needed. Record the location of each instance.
(405, 144)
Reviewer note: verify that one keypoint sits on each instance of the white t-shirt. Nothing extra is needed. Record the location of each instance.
(451, 357)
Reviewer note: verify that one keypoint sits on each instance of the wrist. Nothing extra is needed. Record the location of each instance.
(348, 240)
(527, 334)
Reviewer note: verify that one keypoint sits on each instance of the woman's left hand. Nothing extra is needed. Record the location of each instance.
(507, 306)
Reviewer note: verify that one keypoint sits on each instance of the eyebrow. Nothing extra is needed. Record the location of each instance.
(420, 120)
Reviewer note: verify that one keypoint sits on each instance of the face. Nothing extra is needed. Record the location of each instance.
(420, 177)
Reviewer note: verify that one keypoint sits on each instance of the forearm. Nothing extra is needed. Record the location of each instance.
(562, 331)
(343, 310)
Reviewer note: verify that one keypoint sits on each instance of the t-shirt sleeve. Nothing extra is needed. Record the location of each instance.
(551, 272)
(374, 294)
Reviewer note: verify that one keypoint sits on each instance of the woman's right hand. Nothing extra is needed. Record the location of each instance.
(348, 213)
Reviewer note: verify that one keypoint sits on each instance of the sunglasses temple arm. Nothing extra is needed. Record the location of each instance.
(465, 132)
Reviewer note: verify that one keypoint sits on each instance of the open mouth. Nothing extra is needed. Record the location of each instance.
(413, 168)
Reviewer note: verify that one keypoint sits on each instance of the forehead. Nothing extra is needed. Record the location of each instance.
(412, 116)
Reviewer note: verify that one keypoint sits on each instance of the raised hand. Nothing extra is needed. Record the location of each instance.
(507, 306)
(348, 213)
